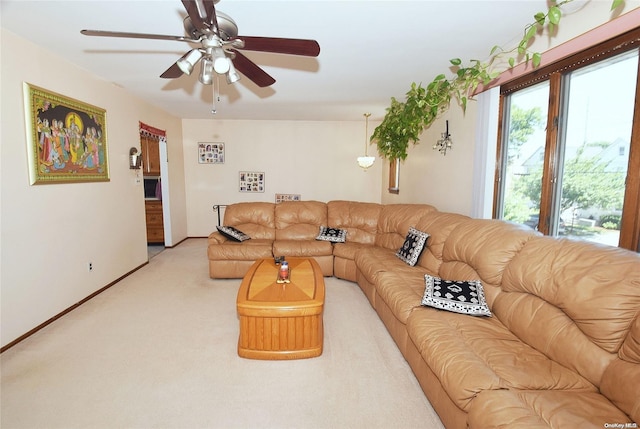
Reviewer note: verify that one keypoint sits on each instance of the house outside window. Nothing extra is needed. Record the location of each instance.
(569, 149)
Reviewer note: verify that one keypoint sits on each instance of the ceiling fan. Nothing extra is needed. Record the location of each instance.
(217, 34)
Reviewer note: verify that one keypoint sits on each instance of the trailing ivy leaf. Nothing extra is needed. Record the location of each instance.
(616, 3)
(456, 61)
(531, 32)
(554, 15)
(535, 59)
(540, 17)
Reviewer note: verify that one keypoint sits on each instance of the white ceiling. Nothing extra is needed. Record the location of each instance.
(370, 50)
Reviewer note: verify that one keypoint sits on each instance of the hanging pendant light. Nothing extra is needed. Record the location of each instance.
(366, 161)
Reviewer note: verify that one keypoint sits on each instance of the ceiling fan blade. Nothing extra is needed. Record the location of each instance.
(211, 19)
(194, 14)
(174, 71)
(309, 48)
(136, 35)
(248, 68)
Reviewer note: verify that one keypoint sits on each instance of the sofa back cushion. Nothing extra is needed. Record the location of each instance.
(395, 220)
(359, 219)
(300, 220)
(481, 249)
(574, 301)
(622, 377)
(256, 219)
(438, 225)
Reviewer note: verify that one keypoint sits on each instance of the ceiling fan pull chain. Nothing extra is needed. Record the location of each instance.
(216, 94)
(213, 107)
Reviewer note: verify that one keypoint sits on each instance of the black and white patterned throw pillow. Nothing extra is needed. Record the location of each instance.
(233, 233)
(334, 235)
(413, 245)
(466, 297)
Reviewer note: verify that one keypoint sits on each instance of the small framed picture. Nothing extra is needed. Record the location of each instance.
(211, 153)
(287, 197)
(252, 181)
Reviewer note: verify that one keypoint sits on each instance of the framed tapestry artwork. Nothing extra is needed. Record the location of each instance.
(211, 153)
(251, 181)
(67, 138)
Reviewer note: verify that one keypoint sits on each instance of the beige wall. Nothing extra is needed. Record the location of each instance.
(314, 159)
(445, 181)
(50, 232)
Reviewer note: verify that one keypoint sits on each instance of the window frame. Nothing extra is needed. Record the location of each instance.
(394, 176)
(554, 73)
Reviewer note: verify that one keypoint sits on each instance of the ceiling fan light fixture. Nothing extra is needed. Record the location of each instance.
(220, 61)
(221, 65)
(232, 75)
(206, 72)
(187, 62)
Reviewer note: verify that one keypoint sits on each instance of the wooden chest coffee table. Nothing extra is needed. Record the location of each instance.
(281, 321)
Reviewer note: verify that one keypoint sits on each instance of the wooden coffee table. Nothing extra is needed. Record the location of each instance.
(281, 321)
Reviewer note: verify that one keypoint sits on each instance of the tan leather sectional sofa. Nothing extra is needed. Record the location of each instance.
(561, 349)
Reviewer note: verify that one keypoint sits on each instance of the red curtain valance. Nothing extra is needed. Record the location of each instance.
(151, 132)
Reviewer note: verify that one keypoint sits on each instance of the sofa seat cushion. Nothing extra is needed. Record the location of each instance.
(249, 250)
(543, 409)
(373, 260)
(471, 354)
(302, 248)
(348, 250)
(401, 292)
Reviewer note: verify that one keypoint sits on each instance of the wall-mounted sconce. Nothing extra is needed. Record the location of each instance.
(445, 143)
(366, 161)
(135, 159)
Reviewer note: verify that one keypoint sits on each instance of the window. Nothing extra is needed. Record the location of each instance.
(394, 176)
(569, 149)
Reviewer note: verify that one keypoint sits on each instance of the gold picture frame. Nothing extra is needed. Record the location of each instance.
(67, 139)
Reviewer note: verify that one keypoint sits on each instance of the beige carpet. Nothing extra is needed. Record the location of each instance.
(158, 350)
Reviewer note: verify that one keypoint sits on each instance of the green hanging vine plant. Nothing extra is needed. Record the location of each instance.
(405, 121)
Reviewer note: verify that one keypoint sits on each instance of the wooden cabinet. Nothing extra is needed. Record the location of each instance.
(150, 156)
(155, 225)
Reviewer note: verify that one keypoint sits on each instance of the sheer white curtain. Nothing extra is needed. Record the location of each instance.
(484, 160)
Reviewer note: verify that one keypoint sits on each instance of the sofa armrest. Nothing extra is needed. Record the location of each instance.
(217, 238)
